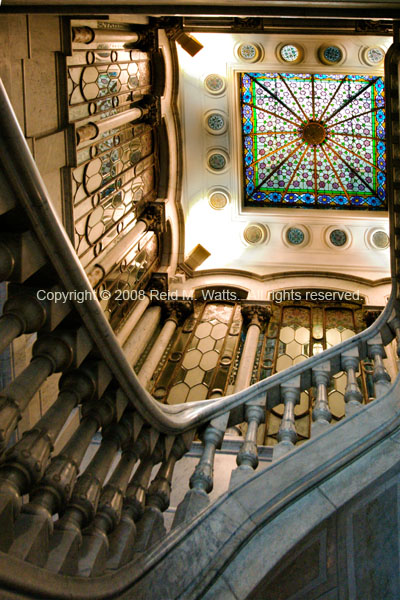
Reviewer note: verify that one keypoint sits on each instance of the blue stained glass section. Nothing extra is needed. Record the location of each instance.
(313, 141)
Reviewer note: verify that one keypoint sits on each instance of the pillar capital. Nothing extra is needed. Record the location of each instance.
(256, 314)
(178, 310)
(158, 283)
(153, 215)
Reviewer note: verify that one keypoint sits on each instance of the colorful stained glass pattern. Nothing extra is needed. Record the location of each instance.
(314, 141)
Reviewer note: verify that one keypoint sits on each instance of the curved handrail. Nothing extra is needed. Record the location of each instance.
(31, 191)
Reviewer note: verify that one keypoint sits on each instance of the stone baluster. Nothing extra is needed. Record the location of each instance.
(151, 526)
(256, 318)
(395, 326)
(25, 462)
(95, 543)
(287, 435)
(247, 458)
(176, 313)
(380, 376)
(21, 314)
(82, 506)
(352, 395)
(121, 549)
(321, 415)
(51, 353)
(202, 480)
(35, 524)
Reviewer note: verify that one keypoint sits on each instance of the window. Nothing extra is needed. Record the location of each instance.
(313, 141)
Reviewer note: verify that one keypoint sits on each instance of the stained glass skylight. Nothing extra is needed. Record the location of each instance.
(315, 141)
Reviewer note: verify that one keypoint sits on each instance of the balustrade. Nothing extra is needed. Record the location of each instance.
(73, 523)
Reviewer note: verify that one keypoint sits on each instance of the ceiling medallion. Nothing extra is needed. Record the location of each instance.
(330, 55)
(214, 84)
(217, 160)
(255, 234)
(313, 133)
(218, 199)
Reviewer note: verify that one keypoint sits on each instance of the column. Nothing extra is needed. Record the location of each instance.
(176, 314)
(142, 334)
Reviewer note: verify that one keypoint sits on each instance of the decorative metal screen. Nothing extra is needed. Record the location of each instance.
(314, 141)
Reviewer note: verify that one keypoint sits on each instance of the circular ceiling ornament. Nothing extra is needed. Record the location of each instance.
(290, 53)
(330, 54)
(373, 56)
(380, 239)
(338, 238)
(249, 52)
(255, 234)
(377, 239)
(214, 84)
(215, 122)
(296, 235)
(218, 199)
(313, 133)
(217, 160)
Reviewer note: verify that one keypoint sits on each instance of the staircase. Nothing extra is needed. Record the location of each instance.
(319, 522)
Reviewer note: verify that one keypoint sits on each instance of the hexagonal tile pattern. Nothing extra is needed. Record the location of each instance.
(284, 362)
(203, 330)
(218, 331)
(299, 359)
(286, 335)
(302, 335)
(336, 404)
(206, 344)
(209, 360)
(178, 393)
(346, 334)
(293, 349)
(191, 359)
(332, 337)
(194, 376)
(198, 392)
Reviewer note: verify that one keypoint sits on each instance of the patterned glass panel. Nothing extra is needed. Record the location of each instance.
(200, 361)
(313, 140)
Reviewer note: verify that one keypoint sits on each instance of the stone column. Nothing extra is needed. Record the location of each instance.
(256, 317)
(142, 334)
(91, 130)
(176, 314)
(151, 219)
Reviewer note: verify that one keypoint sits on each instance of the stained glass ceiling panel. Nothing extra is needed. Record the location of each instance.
(314, 141)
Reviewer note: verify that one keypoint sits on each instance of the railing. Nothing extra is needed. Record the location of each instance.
(75, 525)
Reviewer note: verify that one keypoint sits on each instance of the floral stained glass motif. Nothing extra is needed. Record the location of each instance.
(314, 141)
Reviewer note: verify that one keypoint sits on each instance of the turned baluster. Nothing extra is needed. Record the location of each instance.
(121, 540)
(35, 524)
(247, 458)
(26, 461)
(82, 506)
(287, 435)
(21, 314)
(395, 325)
(51, 354)
(201, 482)
(95, 543)
(352, 395)
(380, 376)
(321, 414)
(151, 526)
